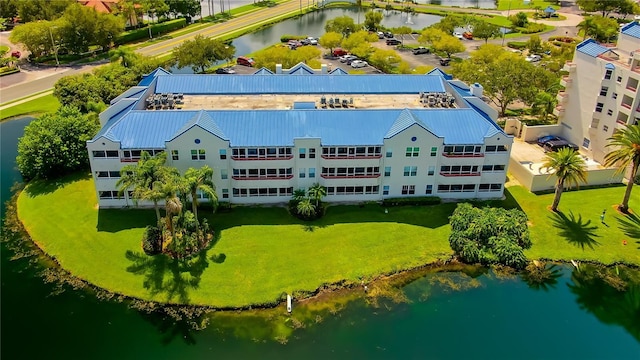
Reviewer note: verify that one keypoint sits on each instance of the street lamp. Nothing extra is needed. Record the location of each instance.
(503, 32)
(55, 49)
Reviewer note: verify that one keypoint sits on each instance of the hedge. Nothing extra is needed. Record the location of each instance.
(156, 29)
(422, 200)
(517, 44)
(287, 37)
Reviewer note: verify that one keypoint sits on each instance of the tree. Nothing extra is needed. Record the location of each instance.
(600, 28)
(305, 207)
(154, 8)
(317, 192)
(534, 44)
(402, 31)
(430, 36)
(626, 152)
(544, 104)
(330, 40)
(342, 25)
(299, 194)
(124, 56)
(385, 60)
(449, 45)
(55, 144)
(188, 8)
(34, 10)
(9, 8)
(200, 179)
(372, 20)
(587, 26)
(519, 20)
(568, 167)
(36, 36)
(359, 43)
(486, 31)
(448, 24)
(200, 53)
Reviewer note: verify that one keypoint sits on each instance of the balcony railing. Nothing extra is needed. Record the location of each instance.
(569, 66)
(463, 155)
(562, 97)
(350, 157)
(261, 157)
(263, 177)
(632, 88)
(131, 159)
(450, 174)
(625, 105)
(621, 122)
(327, 176)
(566, 81)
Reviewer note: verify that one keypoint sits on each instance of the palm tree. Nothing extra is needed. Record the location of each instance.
(172, 205)
(200, 179)
(317, 192)
(586, 25)
(125, 55)
(626, 142)
(544, 104)
(305, 207)
(569, 167)
(299, 194)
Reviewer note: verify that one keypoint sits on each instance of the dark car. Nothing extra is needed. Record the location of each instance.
(388, 34)
(555, 145)
(225, 70)
(445, 61)
(544, 139)
(393, 42)
(421, 50)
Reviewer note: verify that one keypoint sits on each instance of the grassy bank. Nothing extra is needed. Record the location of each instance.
(262, 252)
(36, 106)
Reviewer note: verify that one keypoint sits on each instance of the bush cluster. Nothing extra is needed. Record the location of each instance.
(317, 213)
(151, 243)
(422, 200)
(490, 235)
(287, 37)
(532, 28)
(156, 29)
(518, 45)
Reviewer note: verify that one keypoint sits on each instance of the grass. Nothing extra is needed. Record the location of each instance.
(36, 106)
(262, 252)
(4, 49)
(504, 5)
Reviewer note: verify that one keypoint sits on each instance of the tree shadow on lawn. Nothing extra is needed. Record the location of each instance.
(167, 277)
(576, 231)
(114, 220)
(630, 225)
(47, 186)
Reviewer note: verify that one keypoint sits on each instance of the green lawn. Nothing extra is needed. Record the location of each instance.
(36, 106)
(519, 4)
(262, 252)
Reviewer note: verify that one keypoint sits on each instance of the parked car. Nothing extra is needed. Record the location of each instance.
(458, 35)
(16, 54)
(225, 70)
(544, 139)
(533, 58)
(312, 40)
(339, 52)
(393, 42)
(555, 145)
(294, 44)
(467, 35)
(388, 34)
(348, 59)
(245, 61)
(421, 50)
(380, 35)
(445, 61)
(358, 64)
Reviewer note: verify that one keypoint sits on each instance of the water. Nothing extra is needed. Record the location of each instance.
(482, 4)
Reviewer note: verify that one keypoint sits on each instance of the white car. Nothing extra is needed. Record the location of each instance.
(458, 35)
(312, 40)
(348, 59)
(533, 58)
(358, 64)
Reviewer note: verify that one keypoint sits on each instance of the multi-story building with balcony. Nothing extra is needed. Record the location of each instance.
(601, 91)
(362, 137)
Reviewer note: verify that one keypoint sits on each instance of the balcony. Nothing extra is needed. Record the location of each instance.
(258, 157)
(129, 159)
(633, 89)
(463, 155)
(626, 105)
(566, 81)
(263, 177)
(559, 111)
(569, 66)
(449, 174)
(351, 157)
(327, 176)
(562, 97)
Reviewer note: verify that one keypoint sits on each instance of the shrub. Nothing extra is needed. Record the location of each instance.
(518, 45)
(532, 28)
(287, 37)
(421, 200)
(318, 211)
(156, 29)
(151, 240)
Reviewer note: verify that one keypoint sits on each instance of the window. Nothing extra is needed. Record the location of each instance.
(599, 107)
(605, 128)
(112, 154)
(607, 74)
(99, 154)
(495, 148)
(457, 170)
(434, 151)
(412, 152)
(429, 189)
(312, 172)
(609, 112)
(312, 153)
(225, 193)
(489, 187)
(603, 91)
(108, 174)
(463, 150)
(302, 173)
(175, 155)
(387, 171)
(614, 95)
(224, 174)
(408, 189)
(410, 170)
(432, 170)
(389, 153)
(457, 188)
(585, 143)
(109, 195)
(198, 154)
(385, 190)
(302, 153)
(492, 167)
(223, 154)
(619, 79)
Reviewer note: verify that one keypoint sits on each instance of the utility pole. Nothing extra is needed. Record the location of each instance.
(55, 50)
(503, 32)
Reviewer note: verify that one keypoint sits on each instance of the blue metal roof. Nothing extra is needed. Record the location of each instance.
(439, 72)
(263, 71)
(301, 69)
(610, 66)
(150, 129)
(148, 79)
(301, 84)
(549, 10)
(591, 48)
(632, 29)
(338, 71)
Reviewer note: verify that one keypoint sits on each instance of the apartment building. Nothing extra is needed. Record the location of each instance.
(601, 91)
(363, 137)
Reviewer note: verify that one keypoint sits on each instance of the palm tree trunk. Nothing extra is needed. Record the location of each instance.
(624, 207)
(155, 205)
(194, 205)
(556, 198)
